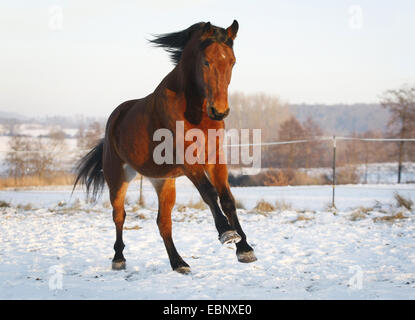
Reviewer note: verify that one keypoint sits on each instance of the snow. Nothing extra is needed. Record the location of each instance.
(318, 256)
(386, 172)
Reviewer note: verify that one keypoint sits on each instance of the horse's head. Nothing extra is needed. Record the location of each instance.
(204, 57)
(217, 60)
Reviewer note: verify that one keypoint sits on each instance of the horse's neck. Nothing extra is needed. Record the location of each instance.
(174, 81)
(185, 95)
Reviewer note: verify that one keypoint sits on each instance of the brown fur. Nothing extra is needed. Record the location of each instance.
(129, 139)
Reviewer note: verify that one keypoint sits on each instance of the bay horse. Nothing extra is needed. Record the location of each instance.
(194, 92)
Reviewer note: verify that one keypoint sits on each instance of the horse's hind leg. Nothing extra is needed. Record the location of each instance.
(117, 196)
(117, 183)
(166, 192)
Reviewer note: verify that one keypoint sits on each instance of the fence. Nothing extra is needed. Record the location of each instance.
(334, 140)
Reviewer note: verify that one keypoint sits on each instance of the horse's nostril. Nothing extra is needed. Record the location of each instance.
(215, 115)
(211, 112)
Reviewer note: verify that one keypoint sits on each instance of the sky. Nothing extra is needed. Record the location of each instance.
(86, 57)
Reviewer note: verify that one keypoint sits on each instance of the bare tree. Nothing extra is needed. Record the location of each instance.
(257, 111)
(368, 151)
(40, 159)
(80, 135)
(57, 135)
(35, 156)
(88, 137)
(314, 150)
(11, 127)
(401, 105)
(15, 157)
(292, 153)
(55, 148)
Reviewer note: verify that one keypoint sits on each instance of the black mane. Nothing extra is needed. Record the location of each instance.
(175, 42)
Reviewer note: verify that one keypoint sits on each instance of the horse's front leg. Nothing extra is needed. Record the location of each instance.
(197, 175)
(218, 174)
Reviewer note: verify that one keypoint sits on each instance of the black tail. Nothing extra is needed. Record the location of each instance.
(89, 171)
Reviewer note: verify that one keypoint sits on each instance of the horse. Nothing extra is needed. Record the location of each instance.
(194, 93)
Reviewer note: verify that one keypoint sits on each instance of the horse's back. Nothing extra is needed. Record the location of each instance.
(122, 110)
(129, 136)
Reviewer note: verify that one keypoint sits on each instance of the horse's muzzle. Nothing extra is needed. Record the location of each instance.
(215, 115)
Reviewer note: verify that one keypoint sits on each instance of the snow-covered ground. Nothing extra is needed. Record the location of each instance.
(386, 172)
(305, 252)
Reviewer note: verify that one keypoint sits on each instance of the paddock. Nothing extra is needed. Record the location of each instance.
(56, 247)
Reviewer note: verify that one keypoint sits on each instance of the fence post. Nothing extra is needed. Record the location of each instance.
(400, 160)
(141, 200)
(333, 205)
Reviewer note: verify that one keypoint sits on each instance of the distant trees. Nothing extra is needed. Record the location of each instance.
(10, 126)
(257, 111)
(278, 123)
(87, 137)
(15, 158)
(47, 158)
(310, 154)
(48, 155)
(291, 155)
(35, 156)
(314, 151)
(401, 105)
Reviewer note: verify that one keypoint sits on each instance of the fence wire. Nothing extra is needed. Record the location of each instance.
(324, 138)
(334, 139)
(270, 143)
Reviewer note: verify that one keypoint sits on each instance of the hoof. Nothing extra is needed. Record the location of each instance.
(246, 257)
(183, 270)
(230, 236)
(119, 265)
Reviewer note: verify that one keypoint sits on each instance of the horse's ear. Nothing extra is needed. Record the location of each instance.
(233, 30)
(207, 30)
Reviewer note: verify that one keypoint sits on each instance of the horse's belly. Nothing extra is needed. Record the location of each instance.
(152, 170)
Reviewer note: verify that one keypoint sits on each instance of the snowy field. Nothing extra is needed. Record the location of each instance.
(304, 252)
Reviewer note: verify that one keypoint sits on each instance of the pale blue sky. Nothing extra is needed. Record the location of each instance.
(301, 51)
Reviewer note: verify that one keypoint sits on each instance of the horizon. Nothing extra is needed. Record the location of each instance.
(59, 59)
(5, 114)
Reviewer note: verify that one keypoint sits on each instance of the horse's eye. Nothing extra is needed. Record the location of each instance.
(206, 63)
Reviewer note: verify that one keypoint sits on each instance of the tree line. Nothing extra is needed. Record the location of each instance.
(45, 159)
(47, 156)
(278, 123)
